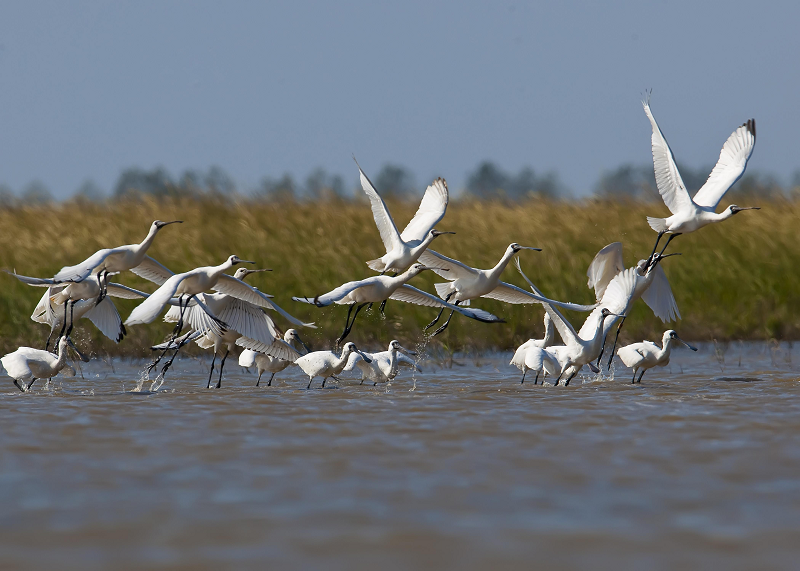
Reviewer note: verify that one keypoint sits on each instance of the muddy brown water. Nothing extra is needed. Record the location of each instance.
(697, 467)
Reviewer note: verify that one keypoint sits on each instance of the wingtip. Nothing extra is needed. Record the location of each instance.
(751, 126)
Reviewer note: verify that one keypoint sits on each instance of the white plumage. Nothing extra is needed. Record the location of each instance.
(533, 356)
(326, 364)
(646, 355)
(27, 364)
(384, 366)
(268, 363)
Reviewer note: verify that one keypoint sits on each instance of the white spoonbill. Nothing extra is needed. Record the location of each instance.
(646, 355)
(326, 364)
(528, 356)
(115, 260)
(581, 349)
(690, 214)
(104, 314)
(27, 364)
(651, 285)
(384, 366)
(468, 283)
(402, 250)
(269, 364)
(380, 288)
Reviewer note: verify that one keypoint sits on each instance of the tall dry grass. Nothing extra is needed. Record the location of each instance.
(737, 280)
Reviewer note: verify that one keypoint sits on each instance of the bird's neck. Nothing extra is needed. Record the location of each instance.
(501, 265)
(666, 348)
(222, 268)
(148, 240)
(62, 356)
(549, 334)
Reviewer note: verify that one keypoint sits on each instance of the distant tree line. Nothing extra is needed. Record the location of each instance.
(487, 182)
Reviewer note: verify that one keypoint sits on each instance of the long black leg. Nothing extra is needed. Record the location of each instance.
(157, 360)
(536, 380)
(346, 323)
(30, 385)
(19, 386)
(382, 306)
(641, 375)
(633, 380)
(323, 381)
(259, 377)
(71, 318)
(655, 247)
(171, 359)
(614, 346)
(309, 383)
(446, 323)
(47, 345)
(347, 331)
(221, 366)
(671, 237)
(570, 378)
(269, 384)
(438, 317)
(525, 372)
(211, 372)
(63, 325)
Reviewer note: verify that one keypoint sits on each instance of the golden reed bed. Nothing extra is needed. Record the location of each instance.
(737, 280)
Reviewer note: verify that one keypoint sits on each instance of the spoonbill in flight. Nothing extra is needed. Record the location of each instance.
(365, 292)
(690, 214)
(326, 364)
(646, 355)
(27, 364)
(581, 349)
(402, 250)
(115, 260)
(468, 283)
(651, 285)
(267, 363)
(384, 366)
(529, 355)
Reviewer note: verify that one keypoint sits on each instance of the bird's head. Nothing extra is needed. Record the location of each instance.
(605, 313)
(66, 341)
(350, 347)
(234, 259)
(514, 247)
(242, 273)
(158, 224)
(395, 346)
(734, 209)
(670, 335)
(434, 232)
(291, 335)
(417, 268)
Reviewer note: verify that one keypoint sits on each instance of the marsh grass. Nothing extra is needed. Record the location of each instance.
(736, 280)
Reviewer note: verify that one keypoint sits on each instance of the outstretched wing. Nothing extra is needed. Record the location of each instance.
(617, 299)
(730, 167)
(337, 294)
(659, 298)
(149, 309)
(152, 270)
(125, 292)
(383, 220)
(606, 264)
(410, 294)
(668, 179)
(564, 327)
(279, 348)
(445, 267)
(509, 293)
(430, 212)
(83, 270)
(105, 317)
(248, 320)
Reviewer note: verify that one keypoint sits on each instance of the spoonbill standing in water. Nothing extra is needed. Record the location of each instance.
(690, 214)
(27, 364)
(267, 363)
(530, 355)
(404, 249)
(646, 355)
(115, 260)
(468, 283)
(326, 364)
(365, 292)
(384, 366)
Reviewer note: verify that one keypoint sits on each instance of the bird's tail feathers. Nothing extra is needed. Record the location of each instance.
(657, 224)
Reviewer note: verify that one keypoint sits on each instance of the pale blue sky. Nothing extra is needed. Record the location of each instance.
(263, 88)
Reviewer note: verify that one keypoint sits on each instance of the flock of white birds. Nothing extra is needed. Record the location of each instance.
(233, 317)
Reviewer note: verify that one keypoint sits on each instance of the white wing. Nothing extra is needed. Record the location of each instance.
(248, 320)
(617, 299)
(149, 309)
(509, 293)
(606, 264)
(668, 179)
(336, 294)
(105, 317)
(383, 220)
(279, 348)
(151, 270)
(406, 361)
(730, 167)
(430, 212)
(82, 271)
(37, 282)
(125, 292)
(564, 327)
(659, 297)
(453, 268)
(237, 288)
(534, 358)
(43, 311)
(410, 294)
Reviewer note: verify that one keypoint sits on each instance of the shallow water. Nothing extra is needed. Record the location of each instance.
(697, 467)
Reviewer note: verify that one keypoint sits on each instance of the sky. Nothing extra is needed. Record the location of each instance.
(88, 89)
